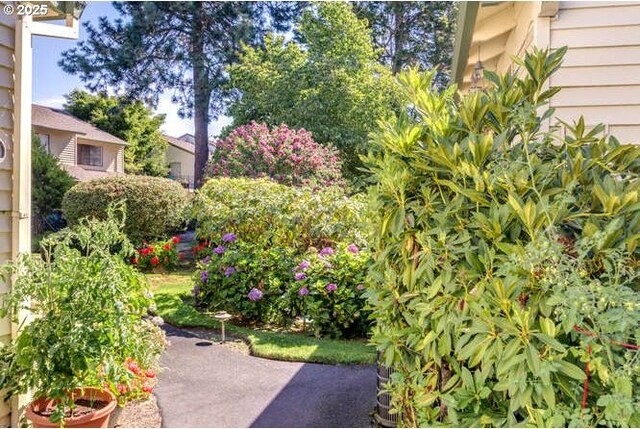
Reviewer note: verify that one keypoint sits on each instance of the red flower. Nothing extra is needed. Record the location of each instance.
(151, 249)
(147, 389)
(133, 367)
(122, 388)
(150, 373)
(134, 260)
(144, 251)
(155, 261)
(176, 240)
(181, 255)
(167, 246)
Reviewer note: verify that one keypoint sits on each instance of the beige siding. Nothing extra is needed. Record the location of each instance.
(120, 160)
(62, 144)
(600, 76)
(186, 160)
(7, 40)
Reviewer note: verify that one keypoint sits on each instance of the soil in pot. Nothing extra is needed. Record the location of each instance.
(93, 408)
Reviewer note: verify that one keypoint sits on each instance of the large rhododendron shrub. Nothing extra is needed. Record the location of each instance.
(283, 154)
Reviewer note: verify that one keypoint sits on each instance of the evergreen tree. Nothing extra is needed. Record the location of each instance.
(129, 120)
(49, 183)
(328, 81)
(178, 46)
(416, 33)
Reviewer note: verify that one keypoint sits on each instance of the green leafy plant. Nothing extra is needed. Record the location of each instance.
(266, 213)
(156, 207)
(245, 280)
(50, 183)
(328, 289)
(504, 286)
(85, 305)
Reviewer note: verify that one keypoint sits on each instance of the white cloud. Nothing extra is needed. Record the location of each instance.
(176, 126)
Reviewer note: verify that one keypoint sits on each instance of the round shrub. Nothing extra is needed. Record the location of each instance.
(261, 212)
(285, 155)
(155, 207)
(327, 288)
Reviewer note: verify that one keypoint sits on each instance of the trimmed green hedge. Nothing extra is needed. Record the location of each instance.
(155, 206)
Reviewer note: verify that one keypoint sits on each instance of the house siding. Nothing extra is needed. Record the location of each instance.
(600, 75)
(62, 144)
(186, 160)
(7, 43)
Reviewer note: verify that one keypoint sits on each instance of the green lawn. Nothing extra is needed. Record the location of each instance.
(173, 291)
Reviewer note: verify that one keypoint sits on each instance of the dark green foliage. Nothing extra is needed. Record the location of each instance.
(418, 33)
(129, 120)
(49, 183)
(506, 259)
(181, 47)
(329, 82)
(155, 206)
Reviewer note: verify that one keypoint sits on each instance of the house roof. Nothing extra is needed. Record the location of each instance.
(59, 120)
(180, 144)
(83, 174)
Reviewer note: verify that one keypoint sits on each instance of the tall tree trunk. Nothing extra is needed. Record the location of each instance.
(398, 25)
(201, 93)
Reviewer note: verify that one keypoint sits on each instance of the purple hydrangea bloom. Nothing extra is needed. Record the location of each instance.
(331, 287)
(327, 264)
(206, 260)
(228, 238)
(229, 271)
(303, 291)
(255, 294)
(300, 276)
(204, 276)
(304, 265)
(219, 250)
(353, 248)
(360, 287)
(327, 251)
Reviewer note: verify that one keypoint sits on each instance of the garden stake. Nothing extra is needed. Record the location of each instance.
(222, 316)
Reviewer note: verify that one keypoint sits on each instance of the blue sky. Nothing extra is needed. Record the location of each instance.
(50, 83)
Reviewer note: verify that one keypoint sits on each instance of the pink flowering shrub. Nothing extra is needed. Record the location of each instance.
(285, 155)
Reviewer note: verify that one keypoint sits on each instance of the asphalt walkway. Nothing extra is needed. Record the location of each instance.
(208, 385)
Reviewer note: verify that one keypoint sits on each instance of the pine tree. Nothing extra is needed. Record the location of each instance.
(179, 46)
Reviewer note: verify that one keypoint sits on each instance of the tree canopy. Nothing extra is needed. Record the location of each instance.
(129, 120)
(328, 81)
(182, 47)
(416, 33)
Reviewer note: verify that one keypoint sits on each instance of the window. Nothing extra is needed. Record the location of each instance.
(89, 155)
(175, 169)
(45, 142)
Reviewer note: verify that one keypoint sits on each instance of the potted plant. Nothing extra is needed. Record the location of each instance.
(85, 304)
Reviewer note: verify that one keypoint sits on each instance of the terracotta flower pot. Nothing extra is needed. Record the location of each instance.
(98, 418)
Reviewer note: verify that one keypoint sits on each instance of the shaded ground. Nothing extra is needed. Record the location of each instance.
(207, 385)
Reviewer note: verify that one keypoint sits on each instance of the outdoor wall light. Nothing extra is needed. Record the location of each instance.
(3, 151)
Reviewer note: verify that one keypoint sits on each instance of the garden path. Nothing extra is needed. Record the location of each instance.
(208, 385)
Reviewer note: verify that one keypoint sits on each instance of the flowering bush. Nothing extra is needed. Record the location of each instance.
(244, 279)
(266, 213)
(328, 288)
(158, 255)
(287, 156)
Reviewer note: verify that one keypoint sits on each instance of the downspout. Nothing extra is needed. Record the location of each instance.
(464, 34)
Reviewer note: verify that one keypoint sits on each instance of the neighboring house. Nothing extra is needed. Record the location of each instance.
(600, 75)
(85, 151)
(15, 141)
(181, 155)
